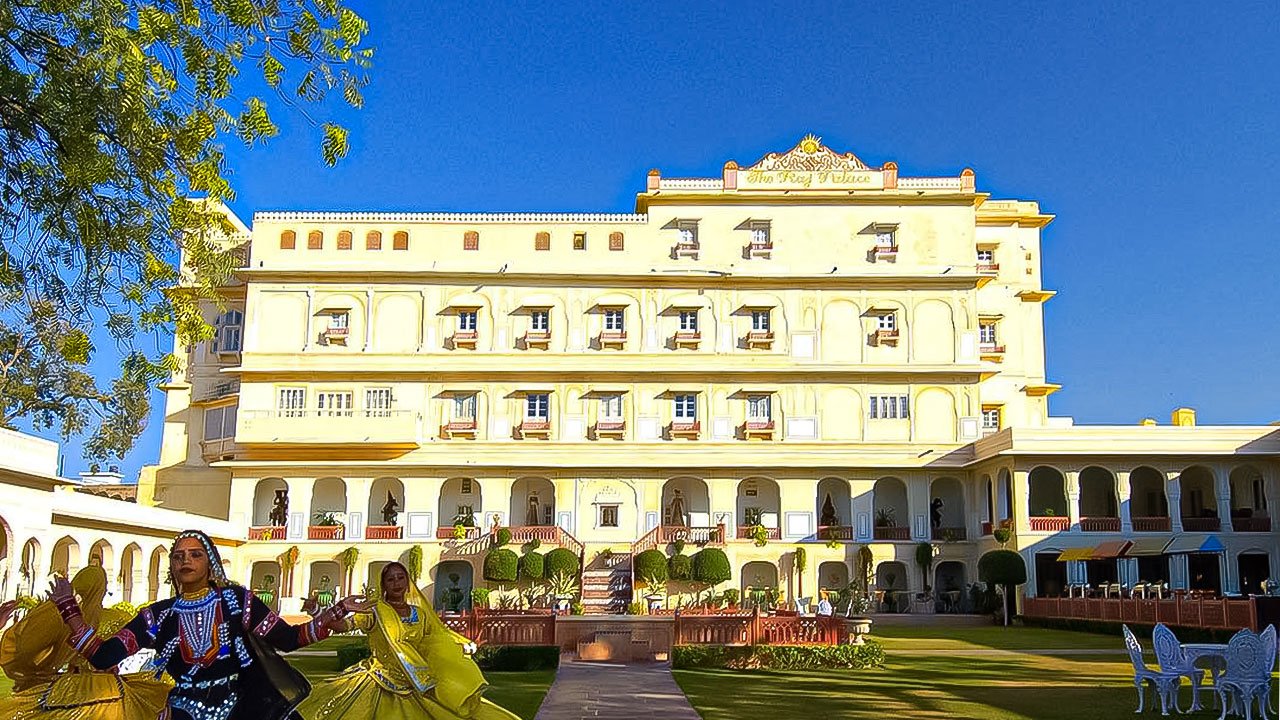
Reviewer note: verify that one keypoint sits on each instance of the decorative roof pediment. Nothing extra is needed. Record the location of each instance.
(812, 156)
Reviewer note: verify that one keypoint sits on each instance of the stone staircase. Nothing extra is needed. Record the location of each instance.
(606, 585)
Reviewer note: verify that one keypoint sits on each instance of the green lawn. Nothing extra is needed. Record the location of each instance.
(1017, 687)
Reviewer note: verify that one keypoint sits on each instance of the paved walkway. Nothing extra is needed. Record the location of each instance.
(600, 691)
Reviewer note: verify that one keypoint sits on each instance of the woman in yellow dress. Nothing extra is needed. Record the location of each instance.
(417, 669)
(35, 649)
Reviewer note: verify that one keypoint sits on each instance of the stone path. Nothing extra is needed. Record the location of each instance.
(602, 691)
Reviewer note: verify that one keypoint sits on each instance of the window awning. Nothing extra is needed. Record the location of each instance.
(1075, 554)
(1112, 549)
(1147, 547)
(1194, 543)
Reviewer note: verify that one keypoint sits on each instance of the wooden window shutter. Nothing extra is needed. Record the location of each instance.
(615, 241)
(400, 241)
(315, 240)
(288, 240)
(542, 241)
(471, 240)
(373, 241)
(344, 240)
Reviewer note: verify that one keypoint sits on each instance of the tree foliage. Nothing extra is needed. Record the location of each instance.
(561, 561)
(501, 566)
(711, 567)
(651, 566)
(113, 114)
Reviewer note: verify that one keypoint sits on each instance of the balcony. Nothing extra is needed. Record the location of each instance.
(687, 339)
(217, 391)
(991, 351)
(1251, 524)
(268, 532)
(384, 428)
(383, 532)
(760, 250)
(537, 339)
(535, 428)
(686, 430)
(616, 339)
(336, 335)
(759, 339)
(326, 532)
(459, 428)
(747, 532)
(685, 250)
(884, 337)
(886, 252)
(215, 450)
(1155, 523)
(448, 532)
(835, 532)
(949, 534)
(759, 429)
(616, 429)
(1100, 524)
(892, 533)
(1201, 524)
(1049, 524)
(465, 339)
(988, 268)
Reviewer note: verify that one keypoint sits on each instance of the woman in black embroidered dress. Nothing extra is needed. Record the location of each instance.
(201, 638)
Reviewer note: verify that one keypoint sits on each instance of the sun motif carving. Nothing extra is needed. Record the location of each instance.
(810, 144)
(810, 154)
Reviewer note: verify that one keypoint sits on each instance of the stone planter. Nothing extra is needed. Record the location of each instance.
(859, 628)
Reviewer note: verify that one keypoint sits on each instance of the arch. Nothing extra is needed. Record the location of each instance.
(460, 502)
(65, 559)
(707, 322)
(892, 575)
(833, 576)
(1098, 497)
(947, 519)
(1253, 568)
(756, 579)
(453, 582)
(288, 240)
(130, 570)
(384, 490)
(750, 302)
(315, 240)
(344, 239)
(890, 509)
(154, 573)
(533, 502)
(1047, 492)
(373, 240)
(400, 240)
(290, 308)
(328, 496)
(326, 577)
(264, 581)
(29, 567)
(1147, 496)
(686, 501)
(934, 332)
(835, 520)
(989, 499)
(934, 417)
(1248, 493)
(264, 499)
(949, 583)
(397, 322)
(1199, 498)
(1004, 494)
(839, 340)
(841, 414)
(759, 501)
(1051, 575)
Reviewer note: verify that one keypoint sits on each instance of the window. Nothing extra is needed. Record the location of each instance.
(886, 238)
(686, 407)
(315, 240)
(689, 320)
(579, 241)
(688, 232)
(540, 321)
(467, 320)
(888, 407)
(887, 321)
(334, 404)
(542, 241)
(288, 240)
(230, 327)
(471, 240)
(377, 402)
(760, 320)
(400, 241)
(291, 402)
(987, 333)
(609, 516)
(220, 422)
(760, 232)
(758, 407)
(615, 241)
(373, 241)
(466, 490)
(990, 418)
(613, 319)
(344, 240)
(611, 407)
(986, 256)
(339, 320)
(537, 406)
(464, 407)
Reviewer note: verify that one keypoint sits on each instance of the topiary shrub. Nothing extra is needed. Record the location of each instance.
(480, 598)
(680, 567)
(651, 566)
(1005, 568)
(500, 566)
(711, 567)
(677, 546)
(561, 560)
(503, 536)
(532, 566)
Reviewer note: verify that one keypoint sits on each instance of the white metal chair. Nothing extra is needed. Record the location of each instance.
(1164, 683)
(1172, 660)
(1250, 658)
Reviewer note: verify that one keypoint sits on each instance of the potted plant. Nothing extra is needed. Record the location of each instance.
(731, 598)
(459, 531)
(884, 518)
(759, 535)
(1002, 535)
(564, 587)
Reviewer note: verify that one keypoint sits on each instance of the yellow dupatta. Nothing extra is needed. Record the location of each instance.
(35, 648)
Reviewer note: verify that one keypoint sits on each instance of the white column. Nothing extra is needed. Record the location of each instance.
(300, 490)
(1222, 493)
(1072, 488)
(1123, 496)
(357, 505)
(306, 322)
(1173, 491)
(368, 319)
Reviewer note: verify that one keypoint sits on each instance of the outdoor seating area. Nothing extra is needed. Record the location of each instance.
(1240, 670)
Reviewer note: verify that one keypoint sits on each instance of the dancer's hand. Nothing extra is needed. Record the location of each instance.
(60, 590)
(6, 611)
(355, 604)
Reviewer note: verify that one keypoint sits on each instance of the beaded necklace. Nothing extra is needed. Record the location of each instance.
(199, 621)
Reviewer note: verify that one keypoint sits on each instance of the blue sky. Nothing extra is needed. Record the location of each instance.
(1152, 130)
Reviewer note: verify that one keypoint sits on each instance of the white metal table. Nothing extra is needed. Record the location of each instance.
(1216, 653)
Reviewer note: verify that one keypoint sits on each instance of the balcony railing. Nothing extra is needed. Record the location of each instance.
(1151, 523)
(1251, 524)
(760, 249)
(759, 339)
(990, 349)
(663, 535)
(465, 428)
(613, 339)
(218, 391)
(537, 339)
(1049, 524)
(383, 532)
(949, 534)
(762, 429)
(535, 428)
(892, 533)
(214, 450)
(326, 532)
(336, 334)
(1201, 524)
(268, 532)
(1184, 611)
(446, 532)
(687, 338)
(376, 427)
(687, 430)
(888, 252)
(835, 532)
(988, 268)
(616, 429)
(885, 337)
(1100, 524)
(685, 250)
(465, 339)
(747, 532)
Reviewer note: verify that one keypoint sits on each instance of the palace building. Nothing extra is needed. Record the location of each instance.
(801, 352)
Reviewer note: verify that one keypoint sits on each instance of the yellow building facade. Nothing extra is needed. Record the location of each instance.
(827, 350)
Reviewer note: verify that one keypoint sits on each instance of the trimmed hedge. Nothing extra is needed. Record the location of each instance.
(680, 567)
(500, 565)
(778, 657)
(503, 536)
(349, 655)
(711, 567)
(531, 566)
(561, 560)
(651, 565)
(518, 658)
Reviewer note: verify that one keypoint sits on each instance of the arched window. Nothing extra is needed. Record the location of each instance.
(400, 241)
(288, 240)
(344, 240)
(471, 240)
(373, 241)
(315, 240)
